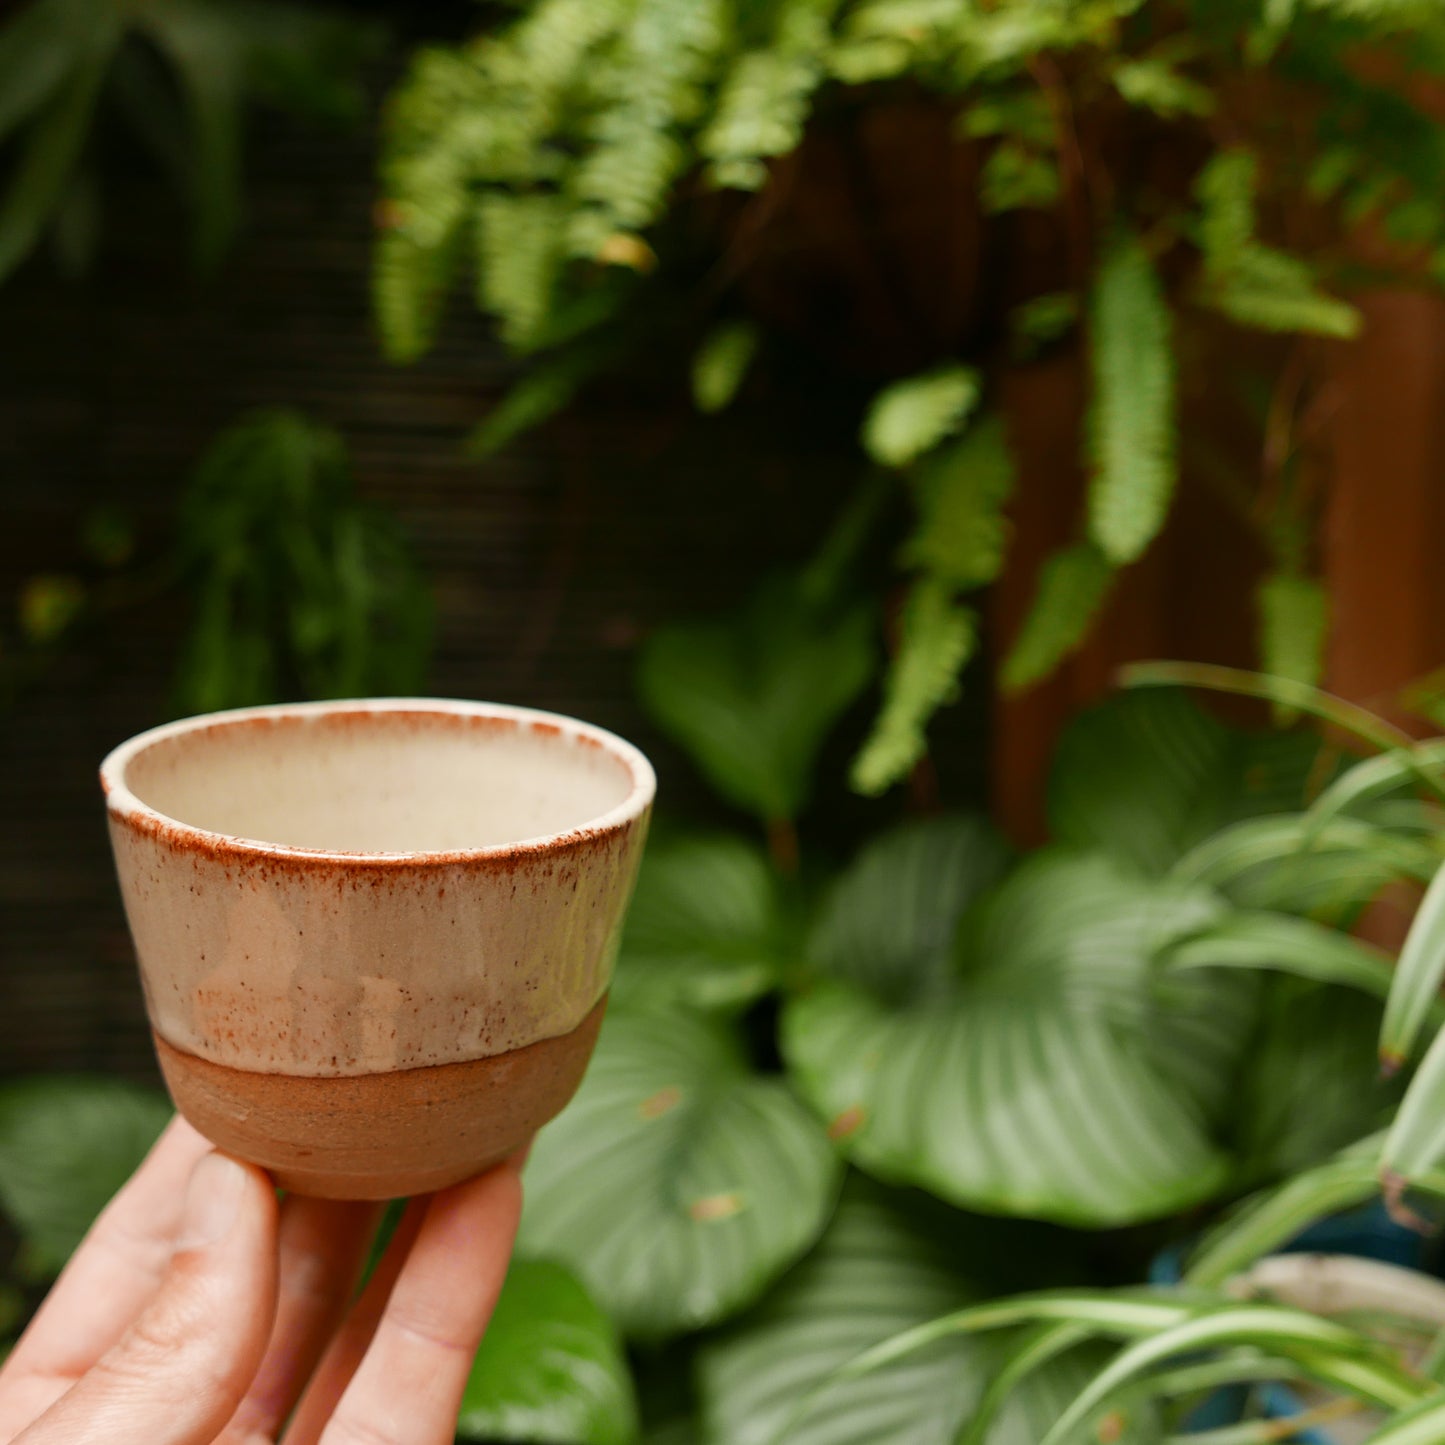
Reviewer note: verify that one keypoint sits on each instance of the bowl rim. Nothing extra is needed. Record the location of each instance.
(124, 807)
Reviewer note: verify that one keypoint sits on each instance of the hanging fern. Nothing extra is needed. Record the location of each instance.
(1131, 411)
(936, 638)
(763, 103)
(1294, 625)
(1073, 585)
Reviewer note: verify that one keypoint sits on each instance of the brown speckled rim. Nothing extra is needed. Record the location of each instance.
(124, 806)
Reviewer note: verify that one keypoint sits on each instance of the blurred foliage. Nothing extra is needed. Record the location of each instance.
(299, 587)
(178, 76)
(620, 174)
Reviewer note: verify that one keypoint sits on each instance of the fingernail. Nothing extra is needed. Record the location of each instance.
(213, 1200)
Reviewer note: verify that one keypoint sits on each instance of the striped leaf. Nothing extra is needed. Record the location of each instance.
(1147, 776)
(66, 1145)
(706, 928)
(929, 872)
(1418, 976)
(1049, 1072)
(1131, 410)
(1073, 586)
(551, 1367)
(677, 1184)
(752, 697)
(778, 1374)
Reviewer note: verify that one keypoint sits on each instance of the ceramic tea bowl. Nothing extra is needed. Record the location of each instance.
(375, 937)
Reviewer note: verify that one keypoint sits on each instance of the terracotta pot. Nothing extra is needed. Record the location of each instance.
(375, 937)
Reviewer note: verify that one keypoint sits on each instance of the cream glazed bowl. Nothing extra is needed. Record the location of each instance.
(375, 937)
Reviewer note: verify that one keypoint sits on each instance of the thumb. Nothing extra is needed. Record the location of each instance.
(180, 1370)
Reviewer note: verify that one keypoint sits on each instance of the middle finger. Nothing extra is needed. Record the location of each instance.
(322, 1246)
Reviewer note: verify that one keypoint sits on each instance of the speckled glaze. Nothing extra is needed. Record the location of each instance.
(364, 890)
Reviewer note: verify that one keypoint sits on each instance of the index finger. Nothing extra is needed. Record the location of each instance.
(109, 1280)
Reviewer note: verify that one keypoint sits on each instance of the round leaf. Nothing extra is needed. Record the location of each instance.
(1147, 775)
(66, 1145)
(889, 923)
(677, 1184)
(874, 1275)
(1056, 1073)
(551, 1367)
(706, 927)
(752, 697)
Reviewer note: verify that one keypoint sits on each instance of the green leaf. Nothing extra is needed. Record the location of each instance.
(1272, 291)
(1017, 177)
(888, 924)
(911, 417)
(721, 363)
(1073, 585)
(961, 493)
(544, 390)
(209, 55)
(1225, 190)
(1131, 410)
(753, 697)
(67, 1144)
(1307, 1339)
(1157, 86)
(1416, 1141)
(1310, 1084)
(1052, 1074)
(763, 103)
(936, 638)
(39, 46)
(520, 252)
(1148, 775)
(1374, 778)
(1273, 1217)
(1418, 976)
(551, 1367)
(706, 928)
(677, 1184)
(52, 149)
(1289, 945)
(775, 1375)
(1420, 1424)
(1294, 616)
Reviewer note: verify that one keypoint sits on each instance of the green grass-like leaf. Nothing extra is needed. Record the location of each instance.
(1131, 411)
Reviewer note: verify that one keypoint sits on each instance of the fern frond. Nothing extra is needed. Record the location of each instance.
(1272, 291)
(670, 51)
(961, 493)
(721, 364)
(543, 391)
(410, 280)
(1073, 585)
(1293, 627)
(1154, 85)
(937, 637)
(1131, 410)
(519, 255)
(911, 417)
(1251, 283)
(764, 101)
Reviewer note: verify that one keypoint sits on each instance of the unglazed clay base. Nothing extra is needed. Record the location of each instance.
(381, 1136)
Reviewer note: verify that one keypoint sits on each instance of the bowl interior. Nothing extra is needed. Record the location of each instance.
(363, 780)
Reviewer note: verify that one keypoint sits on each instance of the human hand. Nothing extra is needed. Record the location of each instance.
(199, 1311)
